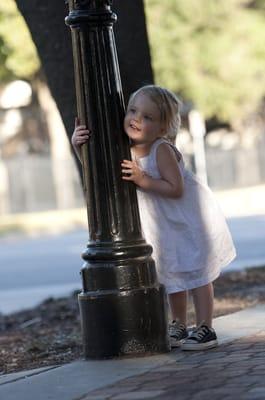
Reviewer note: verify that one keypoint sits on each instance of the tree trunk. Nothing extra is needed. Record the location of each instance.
(53, 41)
(132, 45)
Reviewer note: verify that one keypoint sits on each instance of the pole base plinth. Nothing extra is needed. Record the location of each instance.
(119, 323)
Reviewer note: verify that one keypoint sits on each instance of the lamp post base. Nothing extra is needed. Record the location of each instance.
(118, 323)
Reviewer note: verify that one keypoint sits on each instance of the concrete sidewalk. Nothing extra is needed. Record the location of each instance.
(234, 370)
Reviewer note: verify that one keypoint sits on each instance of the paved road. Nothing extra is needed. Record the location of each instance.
(32, 269)
(249, 238)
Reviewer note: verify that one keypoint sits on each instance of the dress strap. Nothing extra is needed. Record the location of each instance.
(163, 140)
(156, 144)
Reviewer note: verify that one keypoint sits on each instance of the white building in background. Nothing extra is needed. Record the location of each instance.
(15, 94)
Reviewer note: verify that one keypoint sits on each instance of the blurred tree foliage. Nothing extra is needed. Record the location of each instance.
(18, 56)
(211, 52)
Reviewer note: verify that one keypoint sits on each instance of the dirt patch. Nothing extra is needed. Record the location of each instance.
(50, 333)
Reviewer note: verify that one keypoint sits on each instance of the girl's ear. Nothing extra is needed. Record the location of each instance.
(163, 129)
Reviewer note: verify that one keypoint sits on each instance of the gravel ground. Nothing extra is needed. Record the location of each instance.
(49, 334)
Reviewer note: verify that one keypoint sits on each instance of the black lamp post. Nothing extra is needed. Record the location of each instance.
(122, 305)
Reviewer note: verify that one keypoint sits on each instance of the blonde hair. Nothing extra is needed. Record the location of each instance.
(168, 105)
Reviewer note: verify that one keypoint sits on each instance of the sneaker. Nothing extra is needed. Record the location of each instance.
(201, 338)
(177, 333)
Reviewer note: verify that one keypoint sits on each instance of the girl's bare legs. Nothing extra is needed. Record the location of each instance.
(203, 298)
(178, 306)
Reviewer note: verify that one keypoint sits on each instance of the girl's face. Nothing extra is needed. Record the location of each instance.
(142, 121)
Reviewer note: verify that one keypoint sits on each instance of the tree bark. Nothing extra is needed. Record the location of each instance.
(132, 45)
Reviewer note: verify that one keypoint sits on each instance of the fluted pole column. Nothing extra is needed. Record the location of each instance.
(122, 305)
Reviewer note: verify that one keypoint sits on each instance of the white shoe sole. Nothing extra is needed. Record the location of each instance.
(176, 343)
(199, 347)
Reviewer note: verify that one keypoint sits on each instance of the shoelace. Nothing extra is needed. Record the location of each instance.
(200, 332)
(176, 330)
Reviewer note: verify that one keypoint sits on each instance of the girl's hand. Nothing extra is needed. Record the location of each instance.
(80, 135)
(171, 182)
(132, 172)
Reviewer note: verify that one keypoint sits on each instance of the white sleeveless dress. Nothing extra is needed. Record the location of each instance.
(189, 235)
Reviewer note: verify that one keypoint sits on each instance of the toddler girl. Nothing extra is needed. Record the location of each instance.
(179, 216)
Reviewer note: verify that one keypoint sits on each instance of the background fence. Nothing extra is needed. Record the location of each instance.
(33, 185)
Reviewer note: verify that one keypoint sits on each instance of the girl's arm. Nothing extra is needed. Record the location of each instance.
(80, 136)
(171, 182)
